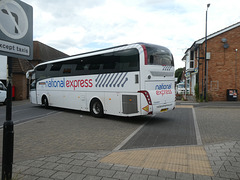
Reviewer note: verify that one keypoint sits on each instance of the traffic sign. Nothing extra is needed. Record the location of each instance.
(16, 29)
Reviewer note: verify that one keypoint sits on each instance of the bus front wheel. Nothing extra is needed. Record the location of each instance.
(45, 102)
(96, 108)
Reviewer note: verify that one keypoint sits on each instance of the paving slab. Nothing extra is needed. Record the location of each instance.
(154, 163)
(185, 159)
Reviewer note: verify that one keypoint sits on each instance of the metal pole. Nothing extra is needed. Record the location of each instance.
(206, 83)
(198, 54)
(8, 133)
(202, 81)
(236, 50)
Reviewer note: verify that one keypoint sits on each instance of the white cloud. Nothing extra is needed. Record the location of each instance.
(79, 26)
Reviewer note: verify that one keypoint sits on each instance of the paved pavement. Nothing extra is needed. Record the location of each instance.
(216, 157)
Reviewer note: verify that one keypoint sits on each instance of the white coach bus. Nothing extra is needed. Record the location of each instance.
(128, 80)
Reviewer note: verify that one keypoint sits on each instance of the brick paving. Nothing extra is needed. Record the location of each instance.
(224, 159)
(218, 124)
(220, 142)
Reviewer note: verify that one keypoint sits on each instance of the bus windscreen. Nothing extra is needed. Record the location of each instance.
(158, 55)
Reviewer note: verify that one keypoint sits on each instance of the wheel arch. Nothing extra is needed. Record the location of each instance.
(45, 103)
(92, 104)
(44, 96)
(95, 98)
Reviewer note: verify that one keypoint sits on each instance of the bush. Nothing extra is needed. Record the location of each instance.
(196, 89)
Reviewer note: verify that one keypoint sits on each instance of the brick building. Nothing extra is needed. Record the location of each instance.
(223, 63)
(41, 53)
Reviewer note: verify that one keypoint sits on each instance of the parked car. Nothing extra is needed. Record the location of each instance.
(180, 88)
(3, 93)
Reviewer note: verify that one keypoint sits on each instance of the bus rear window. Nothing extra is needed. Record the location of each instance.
(158, 55)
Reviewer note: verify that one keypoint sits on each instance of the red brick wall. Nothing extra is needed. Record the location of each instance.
(224, 65)
(20, 83)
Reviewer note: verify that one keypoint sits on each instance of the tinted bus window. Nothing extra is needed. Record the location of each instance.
(56, 67)
(41, 72)
(94, 63)
(158, 55)
(41, 68)
(80, 64)
(120, 61)
(128, 60)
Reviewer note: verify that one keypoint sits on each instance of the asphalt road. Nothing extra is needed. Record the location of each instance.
(41, 132)
(173, 128)
(25, 112)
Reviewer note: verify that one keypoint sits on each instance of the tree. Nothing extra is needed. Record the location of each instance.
(178, 74)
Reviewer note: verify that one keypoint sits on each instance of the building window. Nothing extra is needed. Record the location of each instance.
(191, 55)
(191, 64)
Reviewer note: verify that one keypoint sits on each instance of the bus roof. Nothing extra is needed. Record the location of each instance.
(91, 52)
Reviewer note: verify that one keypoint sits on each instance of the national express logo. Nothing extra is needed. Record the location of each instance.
(163, 89)
(68, 83)
(102, 80)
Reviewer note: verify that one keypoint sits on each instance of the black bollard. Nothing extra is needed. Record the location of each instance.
(8, 133)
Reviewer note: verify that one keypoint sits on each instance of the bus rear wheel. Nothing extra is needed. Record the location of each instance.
(96, 108)
(45, 102)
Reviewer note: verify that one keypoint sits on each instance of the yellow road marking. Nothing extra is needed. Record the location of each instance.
(186, 159)
(184, 106)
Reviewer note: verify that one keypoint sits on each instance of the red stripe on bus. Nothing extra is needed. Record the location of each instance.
(145, 55)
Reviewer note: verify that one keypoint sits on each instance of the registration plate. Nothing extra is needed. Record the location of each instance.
(164, 110)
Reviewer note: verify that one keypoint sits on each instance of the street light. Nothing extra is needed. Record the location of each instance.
(236, 50)
(206, 82)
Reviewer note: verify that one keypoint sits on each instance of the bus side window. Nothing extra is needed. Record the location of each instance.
(133, 63)
(67, 70)
(40, 72)
(54, 69)
(94, 66)
(41, 68)
(109, 65)
(80, 64)
(128, 59)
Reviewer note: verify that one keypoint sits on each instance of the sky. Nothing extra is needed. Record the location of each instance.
(78, 26)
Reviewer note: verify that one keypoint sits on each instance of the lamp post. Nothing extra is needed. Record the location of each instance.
(206, 80)
(236, 50)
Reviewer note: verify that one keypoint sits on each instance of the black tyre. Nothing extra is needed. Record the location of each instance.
(96, 108)
(45, 102)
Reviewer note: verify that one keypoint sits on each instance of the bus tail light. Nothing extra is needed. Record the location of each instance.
(147, 96)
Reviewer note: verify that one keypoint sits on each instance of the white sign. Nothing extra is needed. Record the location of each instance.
(14, 21)
(14, 48)
(16, 29)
